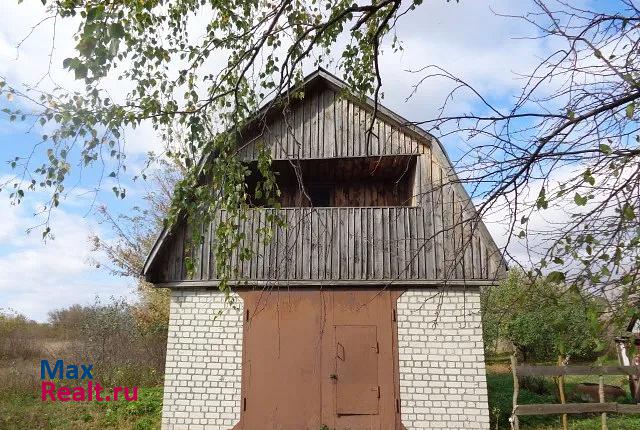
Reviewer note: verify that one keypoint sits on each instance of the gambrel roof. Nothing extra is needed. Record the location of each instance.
(329, 123)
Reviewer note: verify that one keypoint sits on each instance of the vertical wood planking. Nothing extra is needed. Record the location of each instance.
(426, 191)
(348, 243)
(477, 256)
(357, 243)
(322, 106)
(448, 223)
(467, 242)
(325, 124)
(297, 133)
(378, 244)
(437, 220)
(392, 243)
(413, 243)
(457, 238)
(312, 104)
(314, 244)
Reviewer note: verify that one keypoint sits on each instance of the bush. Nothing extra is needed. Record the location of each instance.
(542, 320)
(21, 338)
(109, 336)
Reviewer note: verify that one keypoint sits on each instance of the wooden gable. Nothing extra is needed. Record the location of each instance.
(328, 124)
(434, 238)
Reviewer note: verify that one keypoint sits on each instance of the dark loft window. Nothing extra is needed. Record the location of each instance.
(341, 182)
(320, 195)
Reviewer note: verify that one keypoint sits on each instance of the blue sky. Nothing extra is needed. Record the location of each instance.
(36, 277)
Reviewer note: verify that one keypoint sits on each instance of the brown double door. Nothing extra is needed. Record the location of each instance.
(313, 358)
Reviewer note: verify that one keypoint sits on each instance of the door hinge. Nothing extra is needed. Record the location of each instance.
(247, 314)
(394, 315)
(398, 406)
(377, 348)
(244, 404)
(378, 391)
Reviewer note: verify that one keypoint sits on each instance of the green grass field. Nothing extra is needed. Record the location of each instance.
(500, 384)
(20, 411)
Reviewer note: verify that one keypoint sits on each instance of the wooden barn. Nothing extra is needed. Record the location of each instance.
(362, 312)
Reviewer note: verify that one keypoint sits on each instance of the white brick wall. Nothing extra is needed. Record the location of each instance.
(442, 374)
(204, 358)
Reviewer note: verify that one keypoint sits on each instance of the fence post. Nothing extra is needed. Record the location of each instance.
(601, 395)
(563, 400)
(515, 424)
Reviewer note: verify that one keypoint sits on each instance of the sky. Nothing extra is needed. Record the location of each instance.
(467, 38)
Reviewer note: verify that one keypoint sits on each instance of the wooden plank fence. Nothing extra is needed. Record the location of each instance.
(570, 408)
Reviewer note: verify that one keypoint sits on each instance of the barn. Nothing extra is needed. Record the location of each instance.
(362, 312)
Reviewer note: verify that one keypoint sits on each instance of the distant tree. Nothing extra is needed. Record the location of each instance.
(108, 335)
(133, 236)
(543, 320)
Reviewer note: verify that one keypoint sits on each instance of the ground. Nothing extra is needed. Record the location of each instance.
(500, 385)
(20, 411)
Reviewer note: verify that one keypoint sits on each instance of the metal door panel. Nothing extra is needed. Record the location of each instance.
(357, 390)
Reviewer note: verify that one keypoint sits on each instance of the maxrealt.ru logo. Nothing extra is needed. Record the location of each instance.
(80, 393)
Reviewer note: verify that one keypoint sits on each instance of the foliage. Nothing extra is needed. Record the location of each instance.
(108, 336)
(500, 388)
(21, 410)
(176, 86)
(542, 320)
(19, 336)
(134, 234)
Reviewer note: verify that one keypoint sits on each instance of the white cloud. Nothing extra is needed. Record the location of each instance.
(37, 277)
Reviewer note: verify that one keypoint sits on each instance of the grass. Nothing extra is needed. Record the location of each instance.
(20, 411)
(500, 386)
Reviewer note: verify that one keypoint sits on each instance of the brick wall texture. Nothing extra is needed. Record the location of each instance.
(442, 374)
(204, 362)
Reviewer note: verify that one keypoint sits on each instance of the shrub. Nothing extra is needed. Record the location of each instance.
(542, 320)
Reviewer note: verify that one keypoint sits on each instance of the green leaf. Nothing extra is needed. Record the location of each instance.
(630, 109)
(580, 200)
(116, 30)
(628, 213)
(588, 177)
(556, 277)
(605, 149)
(542, 202)
(81, 71)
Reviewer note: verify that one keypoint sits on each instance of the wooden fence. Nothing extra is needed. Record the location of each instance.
(570, 408)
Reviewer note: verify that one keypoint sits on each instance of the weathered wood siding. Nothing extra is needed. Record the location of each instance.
(382, 243)
(327, 125)
(433, 235)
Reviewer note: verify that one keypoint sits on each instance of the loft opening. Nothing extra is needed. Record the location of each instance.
(341, 182)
